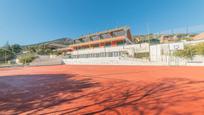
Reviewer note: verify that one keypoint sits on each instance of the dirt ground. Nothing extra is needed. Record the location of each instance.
(111, 90)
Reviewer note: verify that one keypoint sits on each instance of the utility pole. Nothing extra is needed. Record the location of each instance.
(5, 57)
(147, 26)
(5, 54)
(148, 37)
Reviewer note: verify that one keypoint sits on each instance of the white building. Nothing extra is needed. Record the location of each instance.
(103, 47)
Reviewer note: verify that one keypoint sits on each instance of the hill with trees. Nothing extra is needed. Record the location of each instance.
(30, 52)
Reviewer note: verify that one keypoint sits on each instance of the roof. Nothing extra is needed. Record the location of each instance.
(199, 36)
(98, 41)
(104, 32)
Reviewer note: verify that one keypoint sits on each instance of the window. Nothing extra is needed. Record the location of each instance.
(119, 33)
(120, 43)
(109, 54)
(86, 39)
(115, 54)
(106, 36)
(96, 45)
(108, 44)
(95, 38)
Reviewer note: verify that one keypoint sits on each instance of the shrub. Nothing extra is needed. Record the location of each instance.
(199, 49)
(191, 51)
(142, 55)
(27, 58)
(188, 52)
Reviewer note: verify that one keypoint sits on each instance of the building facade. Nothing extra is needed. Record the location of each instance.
(108, 38)
(103, 46)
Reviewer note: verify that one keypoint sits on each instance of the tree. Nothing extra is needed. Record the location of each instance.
(16, 48)
(5, 55)
(27, 58)
(7, 46)
(9, 52)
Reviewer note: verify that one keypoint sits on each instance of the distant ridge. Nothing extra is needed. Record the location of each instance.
(60, 41)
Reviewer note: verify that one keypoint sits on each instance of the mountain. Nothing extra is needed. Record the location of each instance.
(60, 41)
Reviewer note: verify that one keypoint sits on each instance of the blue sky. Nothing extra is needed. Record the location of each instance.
(33, 21)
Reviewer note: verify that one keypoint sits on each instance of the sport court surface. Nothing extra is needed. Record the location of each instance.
(112, 90)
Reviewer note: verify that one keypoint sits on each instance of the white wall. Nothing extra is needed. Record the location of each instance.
(109, 61)
(161, 54)
(136, 47)
(155, 53)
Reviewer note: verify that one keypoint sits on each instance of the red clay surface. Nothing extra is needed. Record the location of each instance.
(112, 90)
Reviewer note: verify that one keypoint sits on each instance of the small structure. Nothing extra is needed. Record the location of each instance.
(168, 38)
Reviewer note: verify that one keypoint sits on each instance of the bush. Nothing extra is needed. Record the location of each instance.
(189, 52)
(39, 49)
(142, 55)
(199, 49)
(187, 39)
(27, 58)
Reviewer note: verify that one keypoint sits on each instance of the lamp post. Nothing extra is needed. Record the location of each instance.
(147, 26)
(5, 57)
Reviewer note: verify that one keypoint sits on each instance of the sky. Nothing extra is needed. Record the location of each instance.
(33, 21)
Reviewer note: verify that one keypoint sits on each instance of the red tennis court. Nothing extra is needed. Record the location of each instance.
(112, 90)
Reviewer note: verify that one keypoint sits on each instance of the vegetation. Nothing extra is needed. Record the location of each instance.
(27, 53)
(149, 38)
(15, 48)
(199, 48)
(40, 49)
(27, 58)
(187, 39)
(155, 38)
(190, 51)
(45, 48)
(142, 55)
(5, 55)
(9, 52)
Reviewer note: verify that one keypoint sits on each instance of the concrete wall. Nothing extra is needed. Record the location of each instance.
(136, 47)
(110, 61)
(161, 54)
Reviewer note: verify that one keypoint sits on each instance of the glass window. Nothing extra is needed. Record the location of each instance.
(95, 38)
(106, 36)
(119, 33)
(120, 43)
(86, 39)
(108, 44)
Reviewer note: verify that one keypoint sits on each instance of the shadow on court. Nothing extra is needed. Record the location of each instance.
(22, 93)
(121, 97)
(45, 94)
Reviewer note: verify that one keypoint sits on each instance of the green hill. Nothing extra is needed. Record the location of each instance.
(60, 41)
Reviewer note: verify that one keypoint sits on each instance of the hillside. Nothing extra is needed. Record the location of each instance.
(60, 41)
